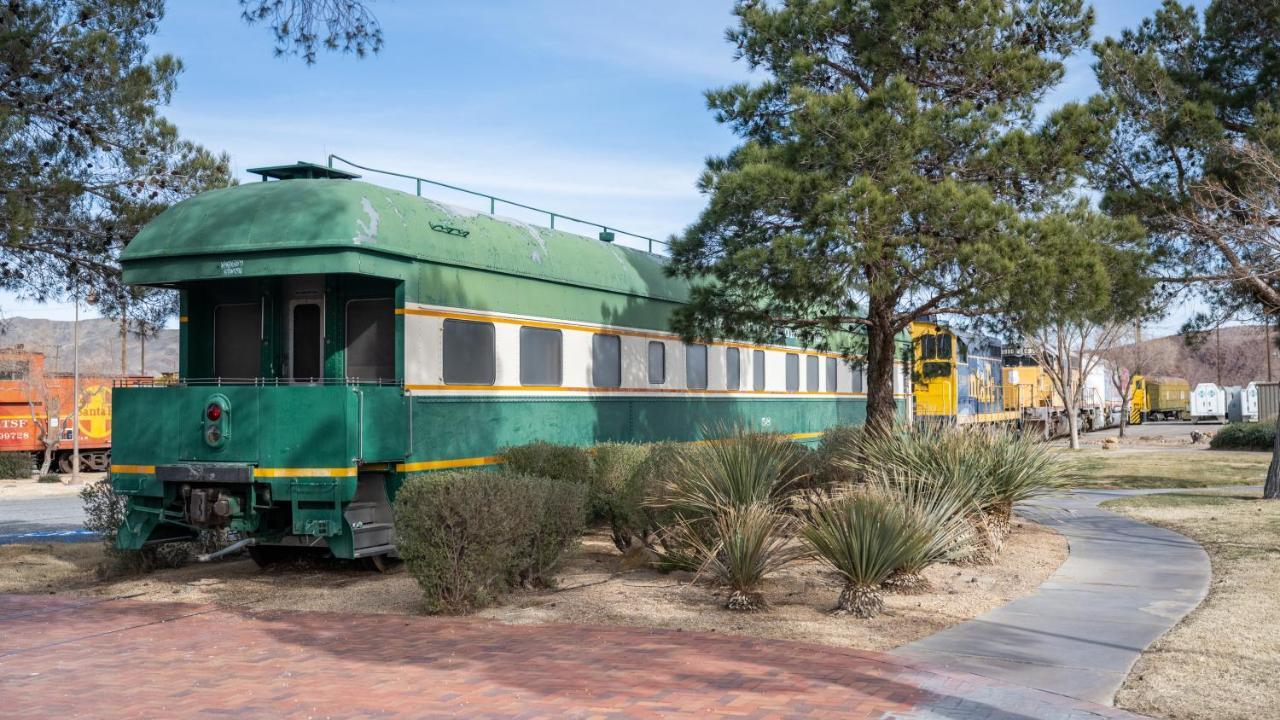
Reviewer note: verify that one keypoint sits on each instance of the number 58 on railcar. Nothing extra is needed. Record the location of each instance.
(337, 335)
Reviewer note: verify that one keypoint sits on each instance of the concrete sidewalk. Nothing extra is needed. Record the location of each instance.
(1124, 585)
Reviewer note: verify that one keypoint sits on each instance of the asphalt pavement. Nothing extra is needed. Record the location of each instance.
(44, 519)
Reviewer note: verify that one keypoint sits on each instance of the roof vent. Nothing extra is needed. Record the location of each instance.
(302, 171)
(606, 235)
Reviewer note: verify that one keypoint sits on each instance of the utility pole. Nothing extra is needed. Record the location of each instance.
(75, 394)
(1266, 323)
(1217, 363)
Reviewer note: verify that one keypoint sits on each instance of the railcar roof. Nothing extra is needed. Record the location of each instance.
(233, 231)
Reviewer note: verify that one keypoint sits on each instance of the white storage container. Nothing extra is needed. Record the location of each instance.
(1208, 402)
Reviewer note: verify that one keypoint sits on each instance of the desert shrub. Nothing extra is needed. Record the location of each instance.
(1007, 467)
(1244, 436)
(942, 507)
(468, 536)
(618, 495)
(104, 511)
(865, 537)
(830, 466)
(548, 460)
(746, 545)
(709, 479)
(50, 478)
(16, 465)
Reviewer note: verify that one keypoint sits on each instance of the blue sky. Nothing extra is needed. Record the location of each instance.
(594, 109)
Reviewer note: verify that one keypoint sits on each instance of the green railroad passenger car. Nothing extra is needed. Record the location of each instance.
(338, 335)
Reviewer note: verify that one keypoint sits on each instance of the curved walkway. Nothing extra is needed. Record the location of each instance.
(70, 658)
(1124, 585)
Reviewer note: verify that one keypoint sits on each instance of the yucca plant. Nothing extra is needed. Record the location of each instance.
(942, 506)
(863, 536)
(746, 545)
(1021, 468)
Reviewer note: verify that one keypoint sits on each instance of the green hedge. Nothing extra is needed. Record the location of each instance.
(1244, 436)
(16, 465)
(469, 536)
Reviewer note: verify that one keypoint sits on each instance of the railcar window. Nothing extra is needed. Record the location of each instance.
(695, 367)
(832, 374)
(858, 374)
(14, 369)
(793, 372)
(540, 356)
(606, 361)
(469, 353)
(237, 340)
(732, 369)
(657, 362)
(306, 350)
(371, 339)
(757, 369)
(811, 373)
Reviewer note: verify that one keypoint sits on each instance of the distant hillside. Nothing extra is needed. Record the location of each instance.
(99, 345)
(1243, 356)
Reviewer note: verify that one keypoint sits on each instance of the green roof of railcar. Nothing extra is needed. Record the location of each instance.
(324, 225)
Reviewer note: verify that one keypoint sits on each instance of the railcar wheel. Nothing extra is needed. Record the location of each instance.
(64, 464)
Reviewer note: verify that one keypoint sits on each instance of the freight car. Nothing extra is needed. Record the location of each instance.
(35, 401)
(1167, 398)
(957, 378)
(336, 336)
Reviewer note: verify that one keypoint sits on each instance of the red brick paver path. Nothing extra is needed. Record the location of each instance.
(92, 658)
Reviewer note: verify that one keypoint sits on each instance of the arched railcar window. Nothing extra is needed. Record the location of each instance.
(811, 373)
(757, 370)
(540, 356)
(832, 374)
(469, 353)
(793, 372)
(657, 362)
(732, 368)
(606, 361)
(695, 367)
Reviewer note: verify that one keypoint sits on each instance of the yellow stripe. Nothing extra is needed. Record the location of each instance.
(134, 469)
(446, 464)
(554, 388)
(304, 472)
(610, 330)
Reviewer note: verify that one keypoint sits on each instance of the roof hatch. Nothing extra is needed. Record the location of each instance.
(302, 171)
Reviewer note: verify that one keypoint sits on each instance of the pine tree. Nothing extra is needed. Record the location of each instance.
(891, 163)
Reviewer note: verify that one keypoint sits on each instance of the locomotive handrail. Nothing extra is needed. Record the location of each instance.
(494, 200)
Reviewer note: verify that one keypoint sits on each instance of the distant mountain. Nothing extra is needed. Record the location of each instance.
(1241, 352)
(99, 345)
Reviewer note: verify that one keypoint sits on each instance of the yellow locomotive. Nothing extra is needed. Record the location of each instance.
(956, 378)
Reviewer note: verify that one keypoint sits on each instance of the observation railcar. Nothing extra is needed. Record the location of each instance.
(336, 336)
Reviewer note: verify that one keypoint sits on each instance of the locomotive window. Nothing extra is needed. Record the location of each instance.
(371, 339)
(757, 369)
(944, 347)
(540, 356)
(468, 353)
(811, 373)
(14, 369)
(832, 373)
(927, 348)
(606, 361)
(962, 351)
(732, 369)
(657, 362)
(793, 372)
(695, 367)
(237, 340)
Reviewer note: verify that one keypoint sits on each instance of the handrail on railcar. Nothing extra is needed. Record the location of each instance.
(608, 230)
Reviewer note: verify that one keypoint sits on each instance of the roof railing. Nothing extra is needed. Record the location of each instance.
(607, 232)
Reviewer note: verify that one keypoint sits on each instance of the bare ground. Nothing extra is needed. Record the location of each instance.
(593, 587)
(1220, 662)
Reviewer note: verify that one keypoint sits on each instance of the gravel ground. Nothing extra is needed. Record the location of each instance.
(594, 586)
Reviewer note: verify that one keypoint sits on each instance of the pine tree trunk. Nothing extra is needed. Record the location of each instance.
(142, 354)
(882, 406)
(124, 342)
(1271, 490)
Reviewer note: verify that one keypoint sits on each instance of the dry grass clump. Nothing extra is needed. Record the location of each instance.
(1220, 662)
